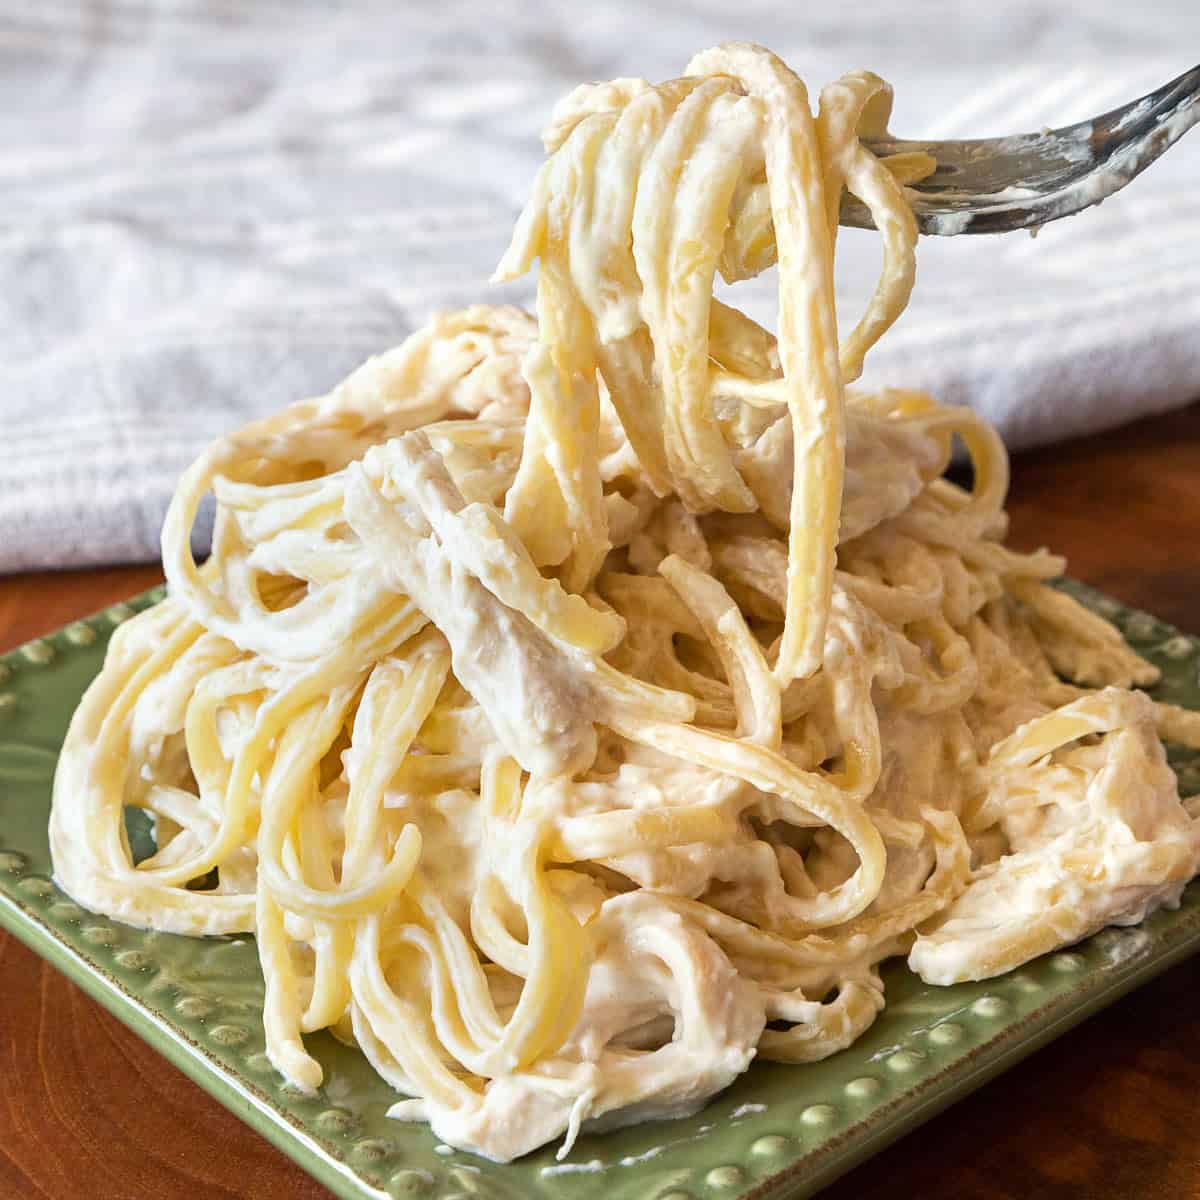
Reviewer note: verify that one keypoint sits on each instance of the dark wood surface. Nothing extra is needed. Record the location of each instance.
(1108, 1112)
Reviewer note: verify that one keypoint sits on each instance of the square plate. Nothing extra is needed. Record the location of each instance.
(780, 1131)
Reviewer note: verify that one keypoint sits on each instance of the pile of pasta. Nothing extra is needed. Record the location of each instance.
(576, 707)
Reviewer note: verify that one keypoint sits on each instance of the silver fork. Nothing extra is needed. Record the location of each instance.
(993, 185)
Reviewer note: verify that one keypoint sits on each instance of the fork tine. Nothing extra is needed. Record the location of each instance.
(992, 185)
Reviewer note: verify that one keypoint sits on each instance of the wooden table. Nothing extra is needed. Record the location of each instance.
(1108, 1111)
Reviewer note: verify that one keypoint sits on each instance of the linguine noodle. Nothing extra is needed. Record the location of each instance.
(578, 707)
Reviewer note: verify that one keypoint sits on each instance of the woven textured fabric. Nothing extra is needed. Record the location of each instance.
(211, 209)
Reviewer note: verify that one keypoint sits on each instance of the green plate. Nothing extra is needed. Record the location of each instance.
(778, 1132)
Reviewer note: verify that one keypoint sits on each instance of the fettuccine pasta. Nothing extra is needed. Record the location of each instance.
(578, 706)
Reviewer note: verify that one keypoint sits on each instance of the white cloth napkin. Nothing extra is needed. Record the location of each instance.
(212, 209)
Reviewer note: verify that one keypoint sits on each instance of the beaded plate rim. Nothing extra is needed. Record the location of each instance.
(189, 999)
